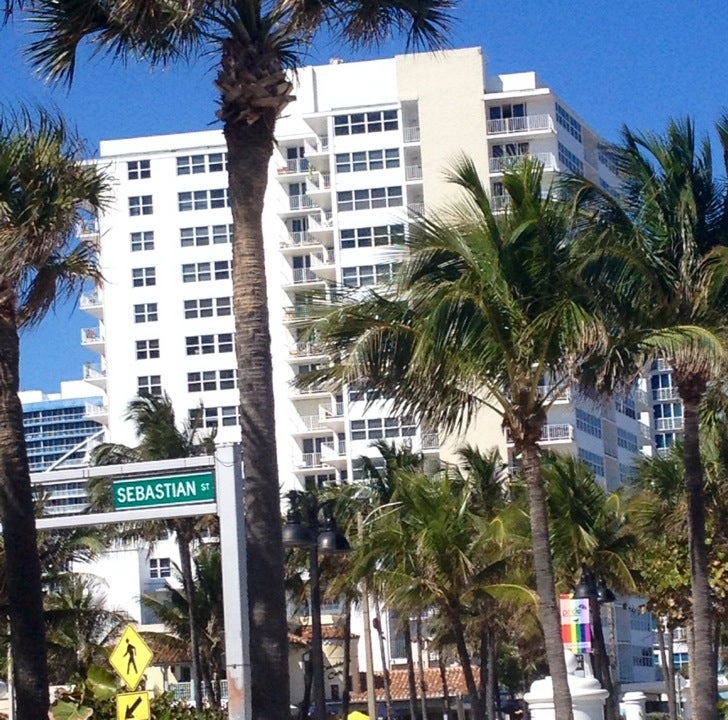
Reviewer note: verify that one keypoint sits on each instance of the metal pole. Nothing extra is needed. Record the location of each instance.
(317, 653)
(371, 692)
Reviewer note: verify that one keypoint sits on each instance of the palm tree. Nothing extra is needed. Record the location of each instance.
(255, 42)
(659, 274)
(161, 439)
(174, 614)
(486, 309)
(589, 528)
(43, 185)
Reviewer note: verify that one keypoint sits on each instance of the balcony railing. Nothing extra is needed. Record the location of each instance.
(416, 208)
(93, 371)
(305, 349)
(91, 336)
(501, 164)
(310, 460)
(320, 221)
(528, 123)
(300, 202)
(312, 422)
(645, 431)
(499, 203)
(413, 172)
(665, 393)
(411, 133)
(299, 239)
(294, 165)
(555, 394)
(337, 448)
(303, 275)
(558, 432)
(319, 181)
(430, 441)
(95, 410)
(92, 299)
(670, 423)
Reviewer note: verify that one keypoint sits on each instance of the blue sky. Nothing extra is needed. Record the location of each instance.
(615, 63)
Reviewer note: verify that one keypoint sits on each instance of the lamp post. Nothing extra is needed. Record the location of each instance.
(597, 593)
(302, 529)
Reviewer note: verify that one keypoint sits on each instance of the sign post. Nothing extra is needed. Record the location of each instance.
(130, 658)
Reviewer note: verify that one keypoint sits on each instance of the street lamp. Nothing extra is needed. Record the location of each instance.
(303, 530)
(595, 590)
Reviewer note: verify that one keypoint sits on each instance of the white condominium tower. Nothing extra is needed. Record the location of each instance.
(361, 150)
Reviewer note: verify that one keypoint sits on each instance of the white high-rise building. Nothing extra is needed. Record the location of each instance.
(360, 151)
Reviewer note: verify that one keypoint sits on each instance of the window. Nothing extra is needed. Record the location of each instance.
(211, 380)
(360, 123)
(569, 160)
(149, 384)
(140, 205)
(367, 160)
(222, 270)
(160, 568)
(222, 234)
(627, 440)
(202, 199)
(196, 272)
(143, 277)
(147, 349)
(589, 423)
(142, 241)
(207, 307)
(196, 164)
(365, 275)
(145, 312)
(372, 236)
(369, 199)
(378, 428)
(138, 169)
(626, 406)
(568, 122)
(594, 461)
(206, 344)
(194, 236)
(211, 417)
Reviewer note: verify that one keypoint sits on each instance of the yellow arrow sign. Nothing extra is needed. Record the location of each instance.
(131, 657)
(133, 706)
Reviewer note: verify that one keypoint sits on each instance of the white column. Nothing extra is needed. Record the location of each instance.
(633, 705)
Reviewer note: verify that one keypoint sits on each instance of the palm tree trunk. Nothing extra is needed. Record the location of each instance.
(491, 682)
(704, 682)
(23, 569)
(421, 667)
(385, 665)
(411, 682)
(545, 582)
(250, 147)
(447, 705)
(346, 694)
(611, 708)
(188, 581)
(476, 708)
(668, 674)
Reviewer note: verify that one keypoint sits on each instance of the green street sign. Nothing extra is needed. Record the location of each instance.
(170, 490)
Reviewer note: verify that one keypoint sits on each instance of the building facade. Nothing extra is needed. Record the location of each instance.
(359, 153)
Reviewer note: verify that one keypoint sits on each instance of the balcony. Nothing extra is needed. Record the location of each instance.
(527, 124)
(411, 133)
(324, 264)
(669, 423)
(665, 393)
(320, 222)
(415, 209)
(299, 313)
(318, 182)
(310, 460)
(308, 391)
(320, 146)
(430, 441)
(294, 166)
(92, 338)
(332, 416)
(304, 276)
(413, 172)
(334, 453)
(97, 412)
(300, 202)
(507, 162)
(306, 349)
(96, 375)
(555, 394)
(553, 433)
(92, 303)
(305, 424)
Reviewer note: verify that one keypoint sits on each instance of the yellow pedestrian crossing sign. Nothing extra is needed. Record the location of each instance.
(133, 706)
(130, 658)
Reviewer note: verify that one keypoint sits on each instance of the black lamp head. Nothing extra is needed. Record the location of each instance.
(331, 540)
(587, 587)
(604, 594)
(295, 533)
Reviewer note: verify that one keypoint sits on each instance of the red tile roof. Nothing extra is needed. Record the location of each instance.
(328, 632)
(399, 687)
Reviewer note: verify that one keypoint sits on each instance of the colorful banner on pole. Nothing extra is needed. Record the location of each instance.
(575, 624)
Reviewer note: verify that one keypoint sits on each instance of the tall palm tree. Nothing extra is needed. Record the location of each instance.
(486, 310)
(160, 439)
(255, 43)
(43, 185)
(660, 275)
